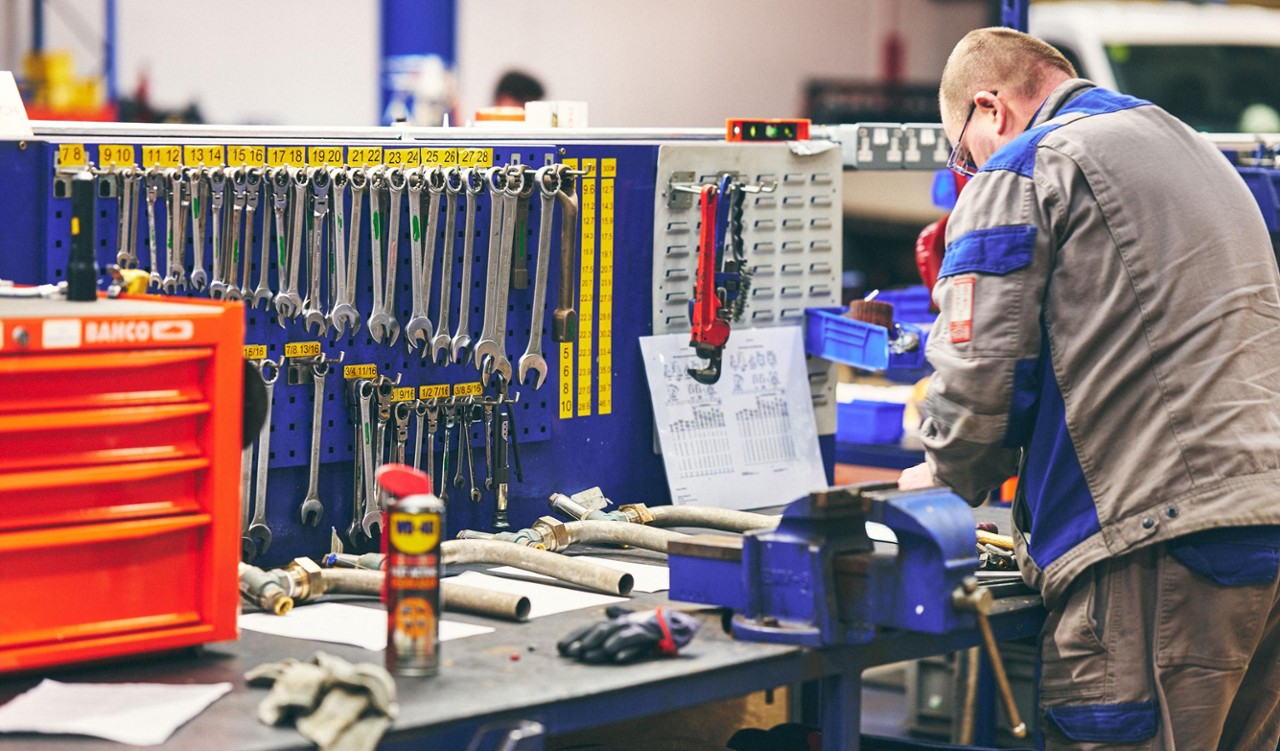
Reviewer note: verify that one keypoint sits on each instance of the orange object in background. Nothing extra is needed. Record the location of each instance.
(119, 477)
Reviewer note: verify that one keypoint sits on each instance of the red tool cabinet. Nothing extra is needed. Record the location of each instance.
(119, 477)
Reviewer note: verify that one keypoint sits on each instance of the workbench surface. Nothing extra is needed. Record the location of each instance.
(511, 674)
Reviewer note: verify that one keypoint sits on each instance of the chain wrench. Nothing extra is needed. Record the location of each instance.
(442, 340)
(253, 189)
(287, 301)
(217, 192)
(239, 201)
(196, 178)
(372, 516)
(154, 182)
(417, 332)
(473, 183)
(313, 311)
(259, 534)
(533, 358)
(126, 179)
(494, 357)
(312, 509)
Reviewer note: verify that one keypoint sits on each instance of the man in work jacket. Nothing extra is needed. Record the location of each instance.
(1110, 330)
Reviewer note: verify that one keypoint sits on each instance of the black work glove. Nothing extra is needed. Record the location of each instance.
(628, 636)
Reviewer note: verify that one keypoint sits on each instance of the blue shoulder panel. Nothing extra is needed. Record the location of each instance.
(994, 250)
(1019, 155)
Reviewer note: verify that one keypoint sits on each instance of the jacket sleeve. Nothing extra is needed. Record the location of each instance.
(985, 346)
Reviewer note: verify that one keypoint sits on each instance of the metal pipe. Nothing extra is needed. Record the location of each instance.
(635, 535)
(455, 597)
(565, 568)
(706, 517)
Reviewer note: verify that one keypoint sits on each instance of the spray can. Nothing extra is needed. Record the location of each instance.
(412, 537)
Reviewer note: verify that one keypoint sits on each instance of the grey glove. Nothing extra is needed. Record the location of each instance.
(627, 636)
(337, 705)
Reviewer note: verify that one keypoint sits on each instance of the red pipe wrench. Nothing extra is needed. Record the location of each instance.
(710, 316)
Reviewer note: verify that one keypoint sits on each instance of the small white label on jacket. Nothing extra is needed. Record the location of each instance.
(962, 309)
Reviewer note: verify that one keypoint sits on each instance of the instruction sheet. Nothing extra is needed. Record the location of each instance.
(747, 441)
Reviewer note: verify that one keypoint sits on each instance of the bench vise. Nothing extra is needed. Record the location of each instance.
(818, 579)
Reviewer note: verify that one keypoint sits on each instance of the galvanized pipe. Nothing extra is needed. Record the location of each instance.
(565, 568)
(455, 597)
(706, 517)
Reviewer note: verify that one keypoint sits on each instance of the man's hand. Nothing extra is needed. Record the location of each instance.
(917, 477)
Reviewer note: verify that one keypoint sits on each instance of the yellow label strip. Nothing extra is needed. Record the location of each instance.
(208, 156)
(586, 291)
(434, 391)
(364, 156)
(475, 157)
(286, 156)
(302, 349)
(325, 156)
(404, 394)
(120, 155)
(604, 338)
(566, 380)
(468, 389)
(404, 158)
(161, 156)
(255, 351)
(369, 370)
(72, 155)
(246, 156)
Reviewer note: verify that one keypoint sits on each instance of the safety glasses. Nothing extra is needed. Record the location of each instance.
(961, 161)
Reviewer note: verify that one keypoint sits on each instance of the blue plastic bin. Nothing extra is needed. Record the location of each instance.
(910, 304)
(862, 421)
(829, 335)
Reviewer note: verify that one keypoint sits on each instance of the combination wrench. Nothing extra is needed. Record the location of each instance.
(253, 189)
(400, 412)
(491, 350)
(313, 311)
(372, 517)
(258, 536)
(312, 509)
(376, 324)
(548, 181)
(126, 251)
(175, 212)
(342, 314)
(564, 319)
(383, 324)
(473, 183)
(345, 313)
(154, 183)
(417, 332)
(239, 201)
(287, 301)
(442, 340)
(217, 193)
(196, 178)
(277, 180)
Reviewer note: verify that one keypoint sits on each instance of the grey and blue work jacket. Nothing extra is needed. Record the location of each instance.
(1110, 316)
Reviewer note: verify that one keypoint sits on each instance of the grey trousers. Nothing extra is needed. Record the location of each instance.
(1143, 653)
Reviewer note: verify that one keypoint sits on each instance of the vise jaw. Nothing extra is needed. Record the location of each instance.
(818, 579)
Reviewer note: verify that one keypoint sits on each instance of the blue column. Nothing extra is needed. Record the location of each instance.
(37, 25)
(412, 28)
(1013, 13)
(109, 51)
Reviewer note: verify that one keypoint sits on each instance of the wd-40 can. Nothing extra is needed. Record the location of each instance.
(413, 529)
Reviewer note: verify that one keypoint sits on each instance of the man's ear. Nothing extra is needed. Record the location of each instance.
(990, 105)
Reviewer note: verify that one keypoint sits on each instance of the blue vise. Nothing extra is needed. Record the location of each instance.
(818, 579)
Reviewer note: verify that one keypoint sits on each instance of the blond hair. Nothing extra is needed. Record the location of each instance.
(997, 59)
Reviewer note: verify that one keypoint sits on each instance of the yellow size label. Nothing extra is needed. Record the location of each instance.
(325, 156)
(360, 371)
(72, 155)
(475, 157)
(209, 156)
(255, 351)
(161, 156)
(246, 156)
(433, 157)
(404, 394)
(302, 349)
(113, 153)
(404, 158)
(604, 336)
(566, 380)
(586, 291)
(435, 391)
(286, 156)
(364, 156)
(468, 389)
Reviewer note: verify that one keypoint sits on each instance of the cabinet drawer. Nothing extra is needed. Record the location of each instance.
(84, 438)
(43, 383)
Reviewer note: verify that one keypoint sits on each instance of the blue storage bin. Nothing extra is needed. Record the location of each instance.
(861, 421)
(829, 335)
(909, 367)
(910, 304)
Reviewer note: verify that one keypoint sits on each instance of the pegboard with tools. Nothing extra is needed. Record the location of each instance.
(401, 225)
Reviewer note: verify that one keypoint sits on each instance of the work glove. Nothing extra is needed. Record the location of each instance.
(627, 636)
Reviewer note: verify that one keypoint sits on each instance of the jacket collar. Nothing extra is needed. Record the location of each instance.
(1065, 92)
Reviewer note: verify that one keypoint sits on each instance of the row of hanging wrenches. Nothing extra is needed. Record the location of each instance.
(303, 202)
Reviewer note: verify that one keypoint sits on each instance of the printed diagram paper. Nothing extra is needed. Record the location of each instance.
(749, 440)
